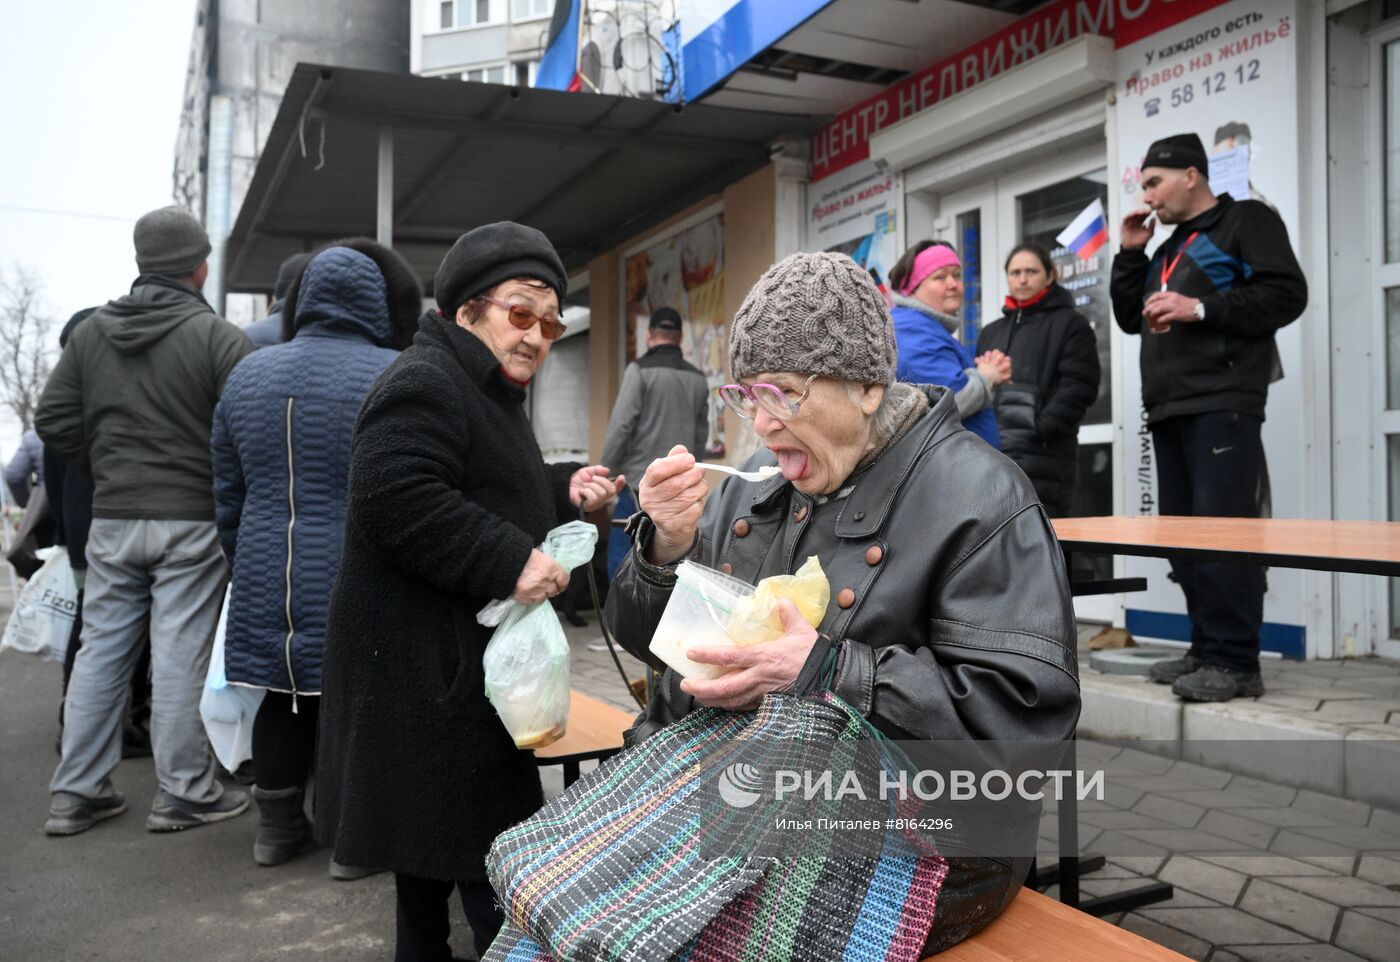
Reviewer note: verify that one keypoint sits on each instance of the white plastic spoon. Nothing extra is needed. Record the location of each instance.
(762, 474)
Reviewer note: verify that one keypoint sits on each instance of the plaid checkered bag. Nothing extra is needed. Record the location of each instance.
(672, 850)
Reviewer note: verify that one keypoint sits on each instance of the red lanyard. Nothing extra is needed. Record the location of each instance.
(1168, 268)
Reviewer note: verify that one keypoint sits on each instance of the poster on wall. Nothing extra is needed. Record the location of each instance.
(853, 213)
(686, 272)
(1230, 77)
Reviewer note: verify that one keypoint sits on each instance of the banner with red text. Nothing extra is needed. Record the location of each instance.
(846, 140)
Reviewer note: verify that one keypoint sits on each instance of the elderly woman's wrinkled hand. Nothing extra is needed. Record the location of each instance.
(672, 493)
(765, 668)
(540, 579)
(590, 488)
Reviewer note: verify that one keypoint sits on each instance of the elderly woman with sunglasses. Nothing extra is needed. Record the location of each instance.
(950, 614)
(448, 497)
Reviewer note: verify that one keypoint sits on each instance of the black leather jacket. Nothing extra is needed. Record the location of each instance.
(949, 598)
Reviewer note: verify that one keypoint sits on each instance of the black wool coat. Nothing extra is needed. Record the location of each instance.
(1055, 377)
(448, 494)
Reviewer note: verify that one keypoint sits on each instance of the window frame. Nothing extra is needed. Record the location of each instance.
(533, 16)
(494, 8)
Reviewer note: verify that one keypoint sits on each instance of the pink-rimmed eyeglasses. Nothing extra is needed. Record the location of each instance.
(745, 401)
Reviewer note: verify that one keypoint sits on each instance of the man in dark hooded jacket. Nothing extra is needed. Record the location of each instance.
(132, 401)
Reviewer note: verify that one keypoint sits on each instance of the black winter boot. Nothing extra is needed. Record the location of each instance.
(284, 831)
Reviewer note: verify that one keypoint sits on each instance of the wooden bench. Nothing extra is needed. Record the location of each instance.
(1038, 928)
(594, 733)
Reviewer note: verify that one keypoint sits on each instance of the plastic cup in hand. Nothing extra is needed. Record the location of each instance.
(1154, 324)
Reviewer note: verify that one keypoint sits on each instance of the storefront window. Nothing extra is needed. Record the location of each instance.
(969, 245)
(1041, 214)
(1392, 348)
(1392, 152)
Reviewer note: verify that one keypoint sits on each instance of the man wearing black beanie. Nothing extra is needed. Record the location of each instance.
(1207, 304)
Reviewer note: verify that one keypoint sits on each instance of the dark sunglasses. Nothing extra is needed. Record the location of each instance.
(523, 318)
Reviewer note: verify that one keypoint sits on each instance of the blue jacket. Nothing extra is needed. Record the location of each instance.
(281, 452)
(268, 331)
(928, 354)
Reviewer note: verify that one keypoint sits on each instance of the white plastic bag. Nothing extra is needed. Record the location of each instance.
(227, 710)
(527, 659)
(43, 617)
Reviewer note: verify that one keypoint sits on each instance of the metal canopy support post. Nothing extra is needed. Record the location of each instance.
(384, 218)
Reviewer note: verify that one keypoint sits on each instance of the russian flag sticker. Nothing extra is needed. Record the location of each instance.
(1087, 232)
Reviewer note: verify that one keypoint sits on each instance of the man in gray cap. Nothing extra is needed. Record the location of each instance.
(663, 401)
(132, 401)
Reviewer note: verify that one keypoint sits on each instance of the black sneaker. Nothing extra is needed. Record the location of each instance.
(1211, 683)
(173, 814)
(70, 814)
(1166, 672)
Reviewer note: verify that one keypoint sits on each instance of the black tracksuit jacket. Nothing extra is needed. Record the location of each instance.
(1240, 265)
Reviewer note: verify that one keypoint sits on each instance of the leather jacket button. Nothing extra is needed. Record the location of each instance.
(801, 514)
(727, 568)
(860, 516)
(874, 555)
(741, 528)
(846, 598)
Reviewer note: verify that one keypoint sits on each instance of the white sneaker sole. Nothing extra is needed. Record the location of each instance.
(181, 820)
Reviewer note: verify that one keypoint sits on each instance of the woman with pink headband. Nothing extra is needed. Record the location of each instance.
(927, 282)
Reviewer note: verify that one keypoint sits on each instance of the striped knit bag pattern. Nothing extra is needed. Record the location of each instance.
(644, 859)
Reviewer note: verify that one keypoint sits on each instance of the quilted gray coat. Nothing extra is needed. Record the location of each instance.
(281, 449)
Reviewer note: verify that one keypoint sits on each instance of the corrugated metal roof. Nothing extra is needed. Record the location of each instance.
(589, 170)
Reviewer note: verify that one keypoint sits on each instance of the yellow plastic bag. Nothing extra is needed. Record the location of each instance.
(755, 620)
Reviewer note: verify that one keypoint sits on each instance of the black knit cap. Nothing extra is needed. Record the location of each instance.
(287, 273)
(491, 254)
(1178, 151)
(665, 319)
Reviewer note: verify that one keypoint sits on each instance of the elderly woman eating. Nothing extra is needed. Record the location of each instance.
(950, 611)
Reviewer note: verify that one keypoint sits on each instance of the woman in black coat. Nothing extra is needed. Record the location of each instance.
(1056, 360)
(449, 496)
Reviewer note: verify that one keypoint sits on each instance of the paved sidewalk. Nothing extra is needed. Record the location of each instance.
(1348, 708)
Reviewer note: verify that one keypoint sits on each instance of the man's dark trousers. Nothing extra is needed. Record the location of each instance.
(1208, 465)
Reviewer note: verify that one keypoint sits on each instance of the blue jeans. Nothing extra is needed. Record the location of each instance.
(618, 542)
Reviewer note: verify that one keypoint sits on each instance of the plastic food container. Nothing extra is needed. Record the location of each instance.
(696, 615)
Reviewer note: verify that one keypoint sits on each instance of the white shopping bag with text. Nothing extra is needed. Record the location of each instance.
(43, 617)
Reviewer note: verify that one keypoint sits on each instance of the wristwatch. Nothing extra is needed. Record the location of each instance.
(1200, 310)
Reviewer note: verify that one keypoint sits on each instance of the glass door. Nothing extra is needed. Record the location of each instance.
(968, 220)
(1034, 205)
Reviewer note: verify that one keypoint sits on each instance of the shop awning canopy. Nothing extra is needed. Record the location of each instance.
(356, 151)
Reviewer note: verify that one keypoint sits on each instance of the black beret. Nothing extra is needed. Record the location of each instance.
(665, 319)
(1178, 151)
(491, 254)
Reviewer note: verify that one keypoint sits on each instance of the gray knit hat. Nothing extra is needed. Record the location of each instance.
(170, 241)
(814, 314)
